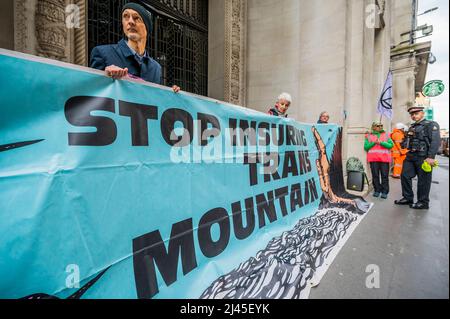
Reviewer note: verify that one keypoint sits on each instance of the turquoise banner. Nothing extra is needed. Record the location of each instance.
(124, 189)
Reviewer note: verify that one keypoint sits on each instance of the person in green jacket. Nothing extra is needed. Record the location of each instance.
(378, 145)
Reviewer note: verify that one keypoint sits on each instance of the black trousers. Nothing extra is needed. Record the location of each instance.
(380, 177)
(411, 169)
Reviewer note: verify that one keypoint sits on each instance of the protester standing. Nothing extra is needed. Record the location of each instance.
(378, 145)
(129, 57)
(398, 151)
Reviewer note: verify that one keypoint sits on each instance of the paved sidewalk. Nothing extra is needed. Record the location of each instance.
(411, 249)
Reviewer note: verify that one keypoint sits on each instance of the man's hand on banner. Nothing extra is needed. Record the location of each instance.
(176, 88)
(115, 72)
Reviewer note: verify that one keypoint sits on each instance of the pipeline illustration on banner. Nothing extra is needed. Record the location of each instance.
(125, 189)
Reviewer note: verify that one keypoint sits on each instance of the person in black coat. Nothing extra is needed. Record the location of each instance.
(129, 57)
(422, 141)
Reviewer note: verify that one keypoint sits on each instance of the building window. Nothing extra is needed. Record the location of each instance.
(179, 40)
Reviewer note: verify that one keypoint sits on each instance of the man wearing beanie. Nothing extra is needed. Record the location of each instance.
(129, 57)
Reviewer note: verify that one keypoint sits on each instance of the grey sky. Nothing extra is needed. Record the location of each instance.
(439, 47)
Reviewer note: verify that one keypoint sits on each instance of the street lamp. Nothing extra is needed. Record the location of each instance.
(432, 59)
(428, 11)
(414, 20)
(427, 30)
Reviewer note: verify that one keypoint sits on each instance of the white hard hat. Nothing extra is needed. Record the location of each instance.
(400, 126)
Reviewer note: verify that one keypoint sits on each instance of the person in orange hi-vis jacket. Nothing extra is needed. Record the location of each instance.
(398, 152)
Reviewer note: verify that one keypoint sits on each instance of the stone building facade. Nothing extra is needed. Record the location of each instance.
(331, 55)
(39, 27)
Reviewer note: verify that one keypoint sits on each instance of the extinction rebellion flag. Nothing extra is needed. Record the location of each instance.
(385, 102)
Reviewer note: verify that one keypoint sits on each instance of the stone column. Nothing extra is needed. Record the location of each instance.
(7, 24)
(403, 71)
(52, 36)
(367, 65)
(216, 49)
(80, 54)
(227, 50)
(54, 29)
(235, 51)
(24, 26)
(358, 80)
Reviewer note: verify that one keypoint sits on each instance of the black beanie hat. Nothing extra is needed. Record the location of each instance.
(144, 13)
